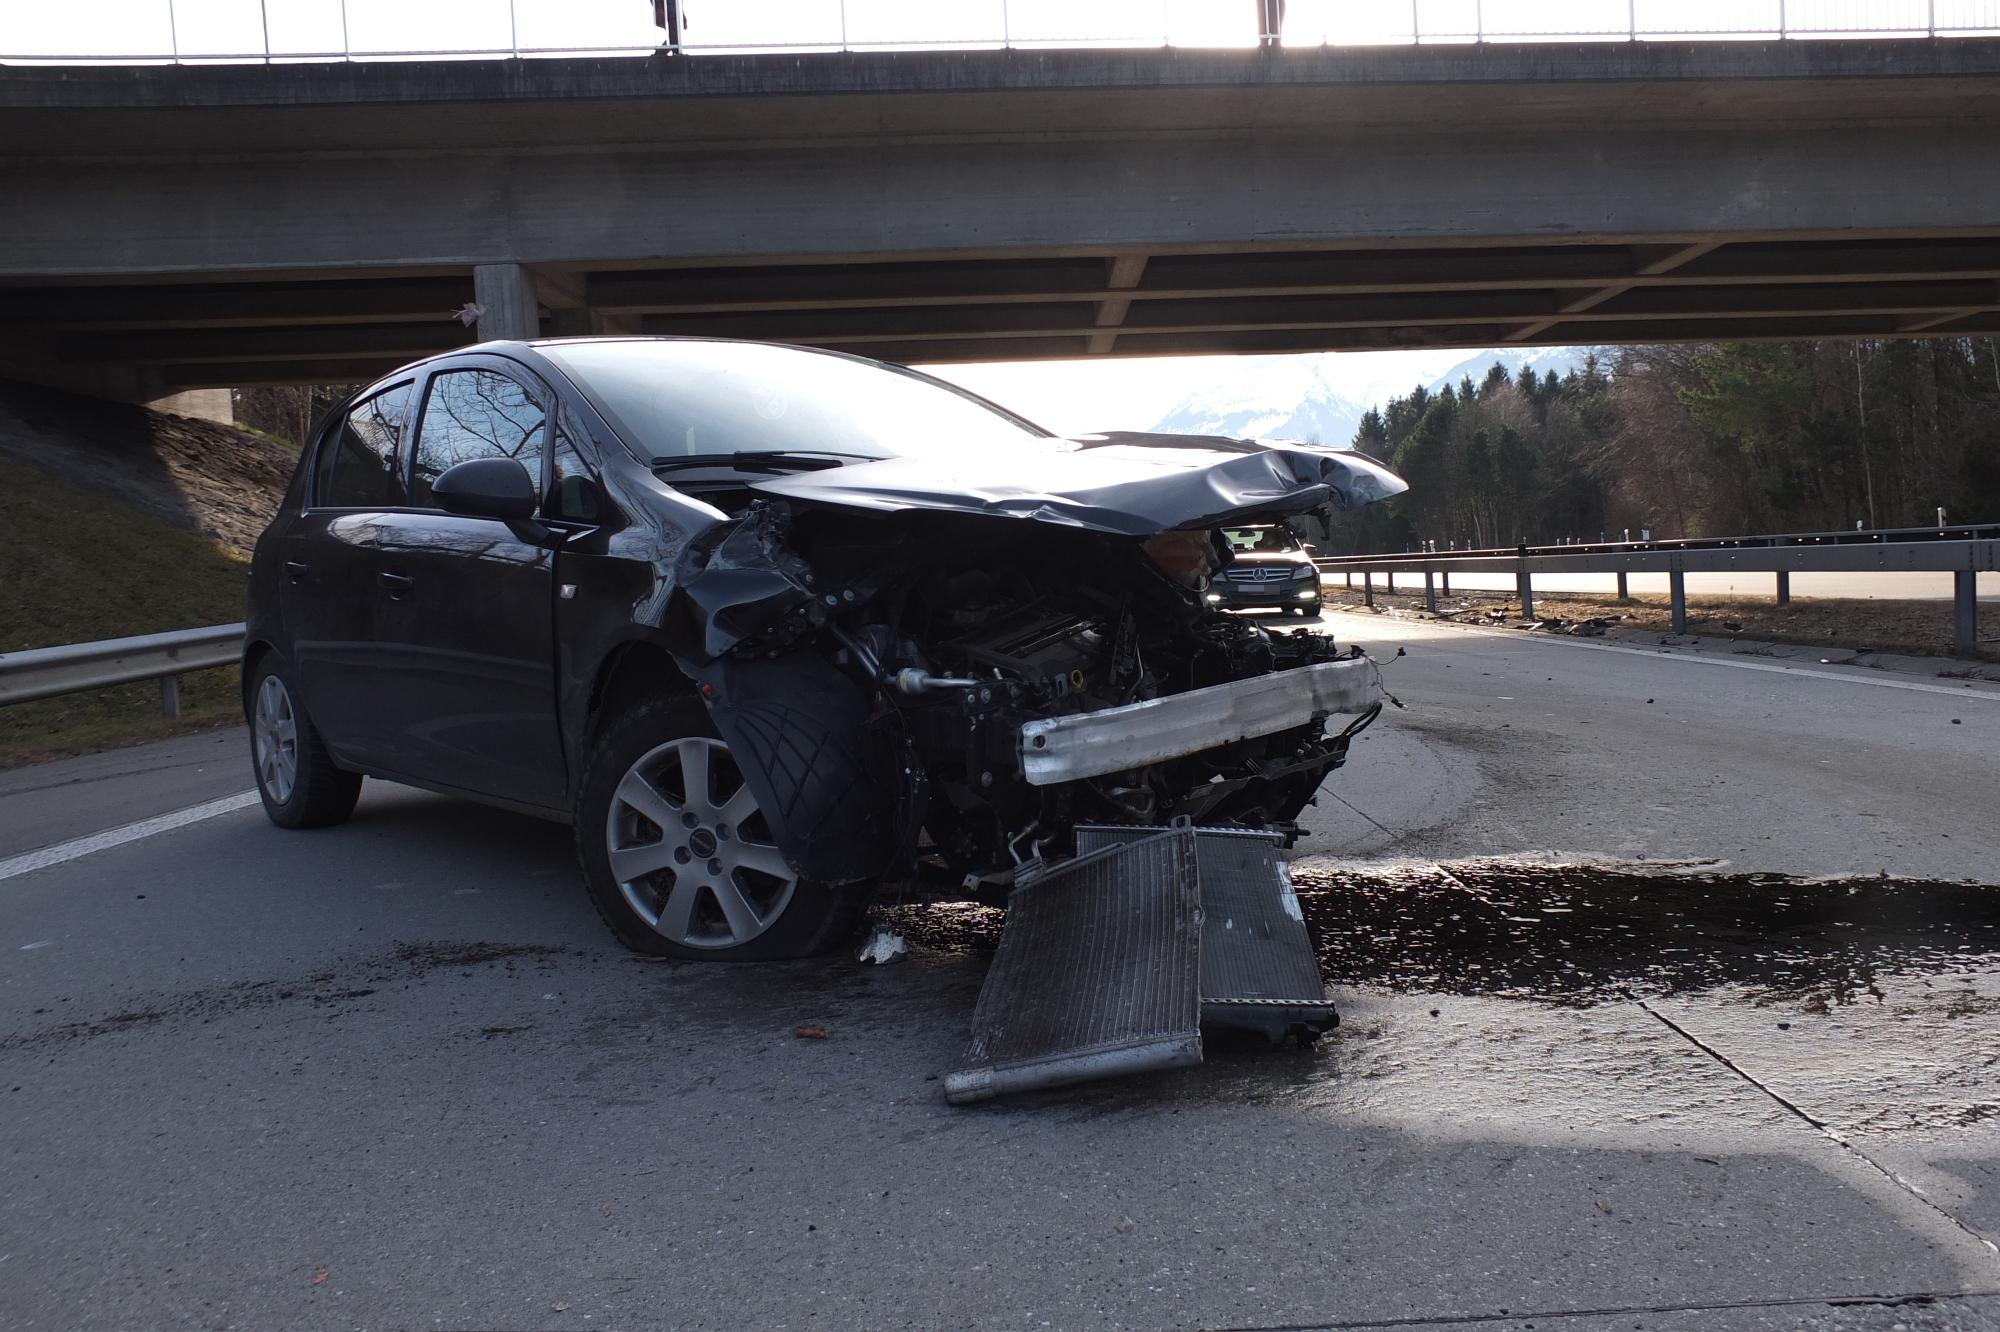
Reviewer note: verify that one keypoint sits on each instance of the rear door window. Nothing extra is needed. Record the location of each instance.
(476, 414)
(360, 462)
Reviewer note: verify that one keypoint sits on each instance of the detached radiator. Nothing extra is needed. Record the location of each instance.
(1112, 962)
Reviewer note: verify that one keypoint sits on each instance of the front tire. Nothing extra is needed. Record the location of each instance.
(296, 778)
(676, 855)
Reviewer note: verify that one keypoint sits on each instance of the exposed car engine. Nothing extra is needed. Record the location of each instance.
(957, 630)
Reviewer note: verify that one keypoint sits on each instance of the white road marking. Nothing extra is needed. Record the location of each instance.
(1969, 690)
(77, 847)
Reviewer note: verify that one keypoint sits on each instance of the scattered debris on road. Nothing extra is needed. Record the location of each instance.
(883, 946)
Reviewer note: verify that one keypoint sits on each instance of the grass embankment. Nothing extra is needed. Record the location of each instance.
(1919, 628)
(76, 566)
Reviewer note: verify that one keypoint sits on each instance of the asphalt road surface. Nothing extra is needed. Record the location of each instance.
(395, 1074)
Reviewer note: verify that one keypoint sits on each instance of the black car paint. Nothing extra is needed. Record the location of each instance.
(1114, 483)
(661, 583)
(366, 686)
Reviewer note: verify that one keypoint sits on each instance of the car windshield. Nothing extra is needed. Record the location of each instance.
(1262, 538)
(683, 398)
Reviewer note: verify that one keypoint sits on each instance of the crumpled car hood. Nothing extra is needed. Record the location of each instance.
(1127, 484)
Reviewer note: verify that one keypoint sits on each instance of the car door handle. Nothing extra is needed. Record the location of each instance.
(296, 569)
(397, 583)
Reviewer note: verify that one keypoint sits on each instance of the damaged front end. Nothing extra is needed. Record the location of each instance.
(976, 686)
(926, 694)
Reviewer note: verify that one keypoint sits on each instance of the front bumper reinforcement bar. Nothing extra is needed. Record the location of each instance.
(1092, 744)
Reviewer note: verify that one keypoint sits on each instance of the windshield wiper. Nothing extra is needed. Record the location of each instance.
(763, 460)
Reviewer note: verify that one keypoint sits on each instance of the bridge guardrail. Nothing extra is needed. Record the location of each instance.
(76, 667)
(270, 34)
(1963, 553)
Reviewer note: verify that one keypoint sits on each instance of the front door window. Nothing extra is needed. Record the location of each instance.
(476, 414)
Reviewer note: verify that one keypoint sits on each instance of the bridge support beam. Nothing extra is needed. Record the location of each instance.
(1126, 270)
(505, 294)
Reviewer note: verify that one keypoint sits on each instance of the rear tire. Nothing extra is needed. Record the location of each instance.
(296, 778)
(678, 859)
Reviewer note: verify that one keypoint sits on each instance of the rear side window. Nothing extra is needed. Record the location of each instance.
(476, 414)
(359, 464)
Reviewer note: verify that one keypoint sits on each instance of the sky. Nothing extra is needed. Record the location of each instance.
(1077, 397)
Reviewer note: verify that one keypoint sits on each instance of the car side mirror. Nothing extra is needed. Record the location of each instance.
(487, 488)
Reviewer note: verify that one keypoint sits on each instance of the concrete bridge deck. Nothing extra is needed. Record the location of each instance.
(178, 227)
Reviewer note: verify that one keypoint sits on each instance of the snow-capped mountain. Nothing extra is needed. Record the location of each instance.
(1321, 397)
(1270, 397)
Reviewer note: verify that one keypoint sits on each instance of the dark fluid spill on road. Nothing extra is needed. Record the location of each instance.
(1590, 933)
(945, 927)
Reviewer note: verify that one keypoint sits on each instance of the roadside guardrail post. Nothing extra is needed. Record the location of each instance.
(1677, 597)
(1390, 574)
(170, 695)
(1349, 575)
(1624, 592)
(1444, 581)
(1368, 586)
(1523, 586)
(1430, 592)
(1964, 611)
(1784, 587)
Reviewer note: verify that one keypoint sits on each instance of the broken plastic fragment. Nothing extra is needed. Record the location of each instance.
(883, 947)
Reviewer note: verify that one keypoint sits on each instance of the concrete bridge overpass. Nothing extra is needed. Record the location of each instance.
(164, 228)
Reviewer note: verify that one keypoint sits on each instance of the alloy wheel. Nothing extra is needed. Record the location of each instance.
(691, 851)
(275, 738)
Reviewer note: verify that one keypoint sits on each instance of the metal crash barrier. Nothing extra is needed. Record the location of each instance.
(1963, 552)
(76, 667)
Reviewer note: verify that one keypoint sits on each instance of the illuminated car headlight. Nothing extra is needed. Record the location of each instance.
(1215, 596)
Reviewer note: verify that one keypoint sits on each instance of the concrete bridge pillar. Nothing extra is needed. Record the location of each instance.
(505, 294)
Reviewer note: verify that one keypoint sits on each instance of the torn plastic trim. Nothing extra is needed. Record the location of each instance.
(1095, 744)
(745, 585)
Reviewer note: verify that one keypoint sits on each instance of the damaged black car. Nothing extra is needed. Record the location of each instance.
(773, 626)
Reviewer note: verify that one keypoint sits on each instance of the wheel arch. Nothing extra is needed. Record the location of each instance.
(255, 653)
(632, 670)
